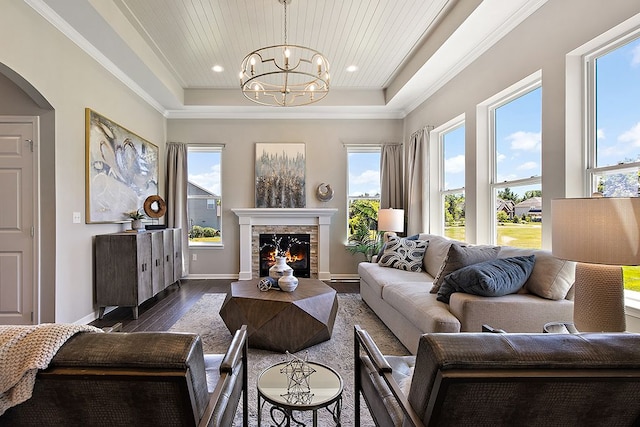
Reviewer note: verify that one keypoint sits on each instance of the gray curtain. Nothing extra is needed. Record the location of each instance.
(176, 184)
(417, 201)
(391, 177)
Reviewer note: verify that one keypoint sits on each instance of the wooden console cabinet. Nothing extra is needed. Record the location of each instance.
(130, 268)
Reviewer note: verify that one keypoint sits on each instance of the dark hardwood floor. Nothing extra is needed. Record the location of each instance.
(162, 311)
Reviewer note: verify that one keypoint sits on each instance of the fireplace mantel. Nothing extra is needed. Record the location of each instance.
(320, 217)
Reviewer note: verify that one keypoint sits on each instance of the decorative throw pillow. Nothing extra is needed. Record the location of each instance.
(403, 254)
(489, 279)
(414, 237)
(460, 256)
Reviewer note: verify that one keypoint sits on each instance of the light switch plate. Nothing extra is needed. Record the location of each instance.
(77, 217)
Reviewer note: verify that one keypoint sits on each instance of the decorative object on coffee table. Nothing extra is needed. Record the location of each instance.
(278, 269)
(288, 282)
(268, 283)
(282, 321)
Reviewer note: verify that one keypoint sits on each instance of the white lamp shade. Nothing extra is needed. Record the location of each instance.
(601, 230)
(391, 220)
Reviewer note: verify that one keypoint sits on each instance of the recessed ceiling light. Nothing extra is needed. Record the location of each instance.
(352, 68)
(218, 68)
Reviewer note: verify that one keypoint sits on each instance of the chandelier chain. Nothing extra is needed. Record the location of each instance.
(285, 22)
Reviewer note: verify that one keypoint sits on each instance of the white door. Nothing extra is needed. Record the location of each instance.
(17, 253)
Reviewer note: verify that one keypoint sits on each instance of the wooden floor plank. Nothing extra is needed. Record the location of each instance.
(162, 311)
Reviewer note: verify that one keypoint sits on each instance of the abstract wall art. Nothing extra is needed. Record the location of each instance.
(121, 170)
(280, 175)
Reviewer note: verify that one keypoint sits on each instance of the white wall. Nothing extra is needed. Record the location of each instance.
(70, 81)
(326, 161)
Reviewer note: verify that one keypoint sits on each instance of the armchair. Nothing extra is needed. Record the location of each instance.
(143, 379)
(502, 380)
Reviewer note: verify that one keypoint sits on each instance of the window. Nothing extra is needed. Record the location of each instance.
(614, 119)
(613, 127)
(452, 181)
(204, 198)
(516, 123)
(363, 193)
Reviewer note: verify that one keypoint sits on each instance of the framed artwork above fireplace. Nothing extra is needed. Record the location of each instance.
(280, 175)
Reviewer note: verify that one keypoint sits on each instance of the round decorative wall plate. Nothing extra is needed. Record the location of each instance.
(324, 192)
(155, 206)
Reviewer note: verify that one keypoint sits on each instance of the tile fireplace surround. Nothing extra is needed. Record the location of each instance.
(316, 220)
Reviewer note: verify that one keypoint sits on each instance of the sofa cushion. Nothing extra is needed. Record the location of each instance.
(436, 253)
(422, 309)
(551, 278)
(376, 277)
(403, 254)
(459, 256)
(490, 278)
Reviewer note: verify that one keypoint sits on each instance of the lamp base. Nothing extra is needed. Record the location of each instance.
(599, 298)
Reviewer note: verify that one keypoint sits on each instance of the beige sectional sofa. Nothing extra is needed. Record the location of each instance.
(404, 302)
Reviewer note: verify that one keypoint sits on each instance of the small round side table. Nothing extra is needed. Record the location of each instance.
(325, 391)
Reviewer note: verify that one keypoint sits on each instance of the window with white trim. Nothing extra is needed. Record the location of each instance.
(363, 192)
(613, 126)
(452, 176)
(516, 185)
(204, 195)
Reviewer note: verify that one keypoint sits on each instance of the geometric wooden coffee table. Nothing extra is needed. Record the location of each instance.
(282, 321)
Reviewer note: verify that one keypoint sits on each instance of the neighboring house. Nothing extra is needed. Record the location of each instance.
(506, 206)
(531, 207)
(204, 207)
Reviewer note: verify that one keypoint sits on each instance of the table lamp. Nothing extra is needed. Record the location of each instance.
(601, 234)
(390, 220)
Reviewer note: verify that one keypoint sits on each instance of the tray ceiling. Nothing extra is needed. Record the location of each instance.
(403, 50)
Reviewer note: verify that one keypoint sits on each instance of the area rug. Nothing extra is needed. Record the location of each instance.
(204, 320)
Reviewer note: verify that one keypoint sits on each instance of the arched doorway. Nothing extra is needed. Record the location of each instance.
(27, 180)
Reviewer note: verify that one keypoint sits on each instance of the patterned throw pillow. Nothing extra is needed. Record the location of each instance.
(403, 254)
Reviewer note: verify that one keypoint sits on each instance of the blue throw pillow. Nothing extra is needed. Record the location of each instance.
(489, 278)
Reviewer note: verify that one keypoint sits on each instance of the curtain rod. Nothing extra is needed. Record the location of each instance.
(426, 127)
(377, 145)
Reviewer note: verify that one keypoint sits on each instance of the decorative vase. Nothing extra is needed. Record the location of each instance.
(288, 282)
(136, 224)
(277, 270)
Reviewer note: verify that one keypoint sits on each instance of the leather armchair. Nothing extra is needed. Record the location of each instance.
(142, 379)
(502, 379)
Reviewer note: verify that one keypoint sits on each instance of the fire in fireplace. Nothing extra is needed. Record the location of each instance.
(296, 247)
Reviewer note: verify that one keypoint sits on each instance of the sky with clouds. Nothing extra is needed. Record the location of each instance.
(204, 170)
(618, 101)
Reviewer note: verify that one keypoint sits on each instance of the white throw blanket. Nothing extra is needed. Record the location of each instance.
(23, 350)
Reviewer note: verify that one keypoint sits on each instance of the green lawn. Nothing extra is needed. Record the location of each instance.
(521, 235)
(217, 239)
(529, 236)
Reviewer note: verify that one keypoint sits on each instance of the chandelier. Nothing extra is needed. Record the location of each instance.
(285, 75)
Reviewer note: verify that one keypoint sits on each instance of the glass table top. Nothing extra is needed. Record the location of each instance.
(325, 385)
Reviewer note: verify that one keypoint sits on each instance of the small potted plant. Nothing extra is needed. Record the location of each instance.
(136, 216)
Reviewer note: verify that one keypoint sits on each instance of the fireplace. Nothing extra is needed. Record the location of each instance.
(296, 247)
(313, 221)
